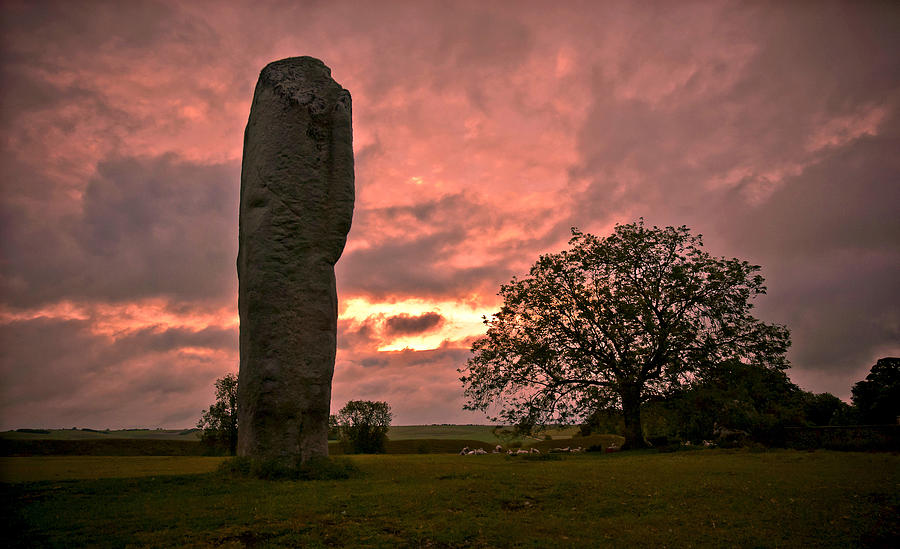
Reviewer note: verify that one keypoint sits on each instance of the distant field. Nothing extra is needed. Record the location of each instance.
(404, 439)
(94, 434)
(484, 433)
(710, 498)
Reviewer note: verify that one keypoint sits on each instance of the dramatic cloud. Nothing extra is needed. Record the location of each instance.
(482, 133)
(404, 324)
(65, 373)
(148, 227)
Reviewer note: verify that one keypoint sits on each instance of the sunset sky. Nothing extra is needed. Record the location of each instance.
(483, 131)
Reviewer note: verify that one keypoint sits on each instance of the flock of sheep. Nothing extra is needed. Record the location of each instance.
(466, 451)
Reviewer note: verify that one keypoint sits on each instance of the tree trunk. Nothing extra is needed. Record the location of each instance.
(631, 409)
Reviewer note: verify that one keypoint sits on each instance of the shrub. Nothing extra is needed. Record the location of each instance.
(364, 425)
(219, 422)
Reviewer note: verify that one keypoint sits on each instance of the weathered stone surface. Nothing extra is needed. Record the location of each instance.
(297, 198)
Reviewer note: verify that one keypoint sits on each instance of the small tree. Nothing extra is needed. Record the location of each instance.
(220, 421)
(825, 409)
(617, 321)
(737, 396)
(334, 428)
(364, 425)
(877, 398)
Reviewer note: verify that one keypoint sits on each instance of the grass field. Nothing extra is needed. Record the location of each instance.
(94, 434)
(483, 433)
(696, 498)
(409, 439)
(28, 469)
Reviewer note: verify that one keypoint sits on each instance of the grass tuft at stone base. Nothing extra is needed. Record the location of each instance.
(269, 469)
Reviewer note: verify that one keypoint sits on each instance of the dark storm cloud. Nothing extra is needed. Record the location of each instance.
(405, 324)
(408, 268)
(846, 201)
(59, 372)
(412, 248)
(60, 29)
(828, 242)
(160, 339)
(149, 227)
(377, 330)
(365, 335)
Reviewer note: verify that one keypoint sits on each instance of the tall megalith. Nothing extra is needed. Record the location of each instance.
(297, 198)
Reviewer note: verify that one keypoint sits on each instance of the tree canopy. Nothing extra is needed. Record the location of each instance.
(219, 422)
(616, 321)
(877, 398)
(364, 425)
(737, 396)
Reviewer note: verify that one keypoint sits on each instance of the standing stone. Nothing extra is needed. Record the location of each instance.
(296, 206)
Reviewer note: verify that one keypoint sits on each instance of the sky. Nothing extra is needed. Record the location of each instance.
(483, 131)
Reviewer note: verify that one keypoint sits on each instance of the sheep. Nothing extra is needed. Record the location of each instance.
(466, 451)
(535, 451)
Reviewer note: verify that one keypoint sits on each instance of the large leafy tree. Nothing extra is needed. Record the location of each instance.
(219, 422)
(616, 321)
(364, 425)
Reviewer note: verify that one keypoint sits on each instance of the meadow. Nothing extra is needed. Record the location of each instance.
(403, 439)
(779, 498)
(105, 434)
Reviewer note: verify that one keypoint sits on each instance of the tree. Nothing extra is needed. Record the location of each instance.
(364, 425)
(334, 428)
(877, 398)
(825, 409)
(220, 421)
(737, 397)
(616, 321)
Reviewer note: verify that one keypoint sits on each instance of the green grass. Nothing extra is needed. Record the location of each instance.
(21, 469)
(102, 447)
(695, 498)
